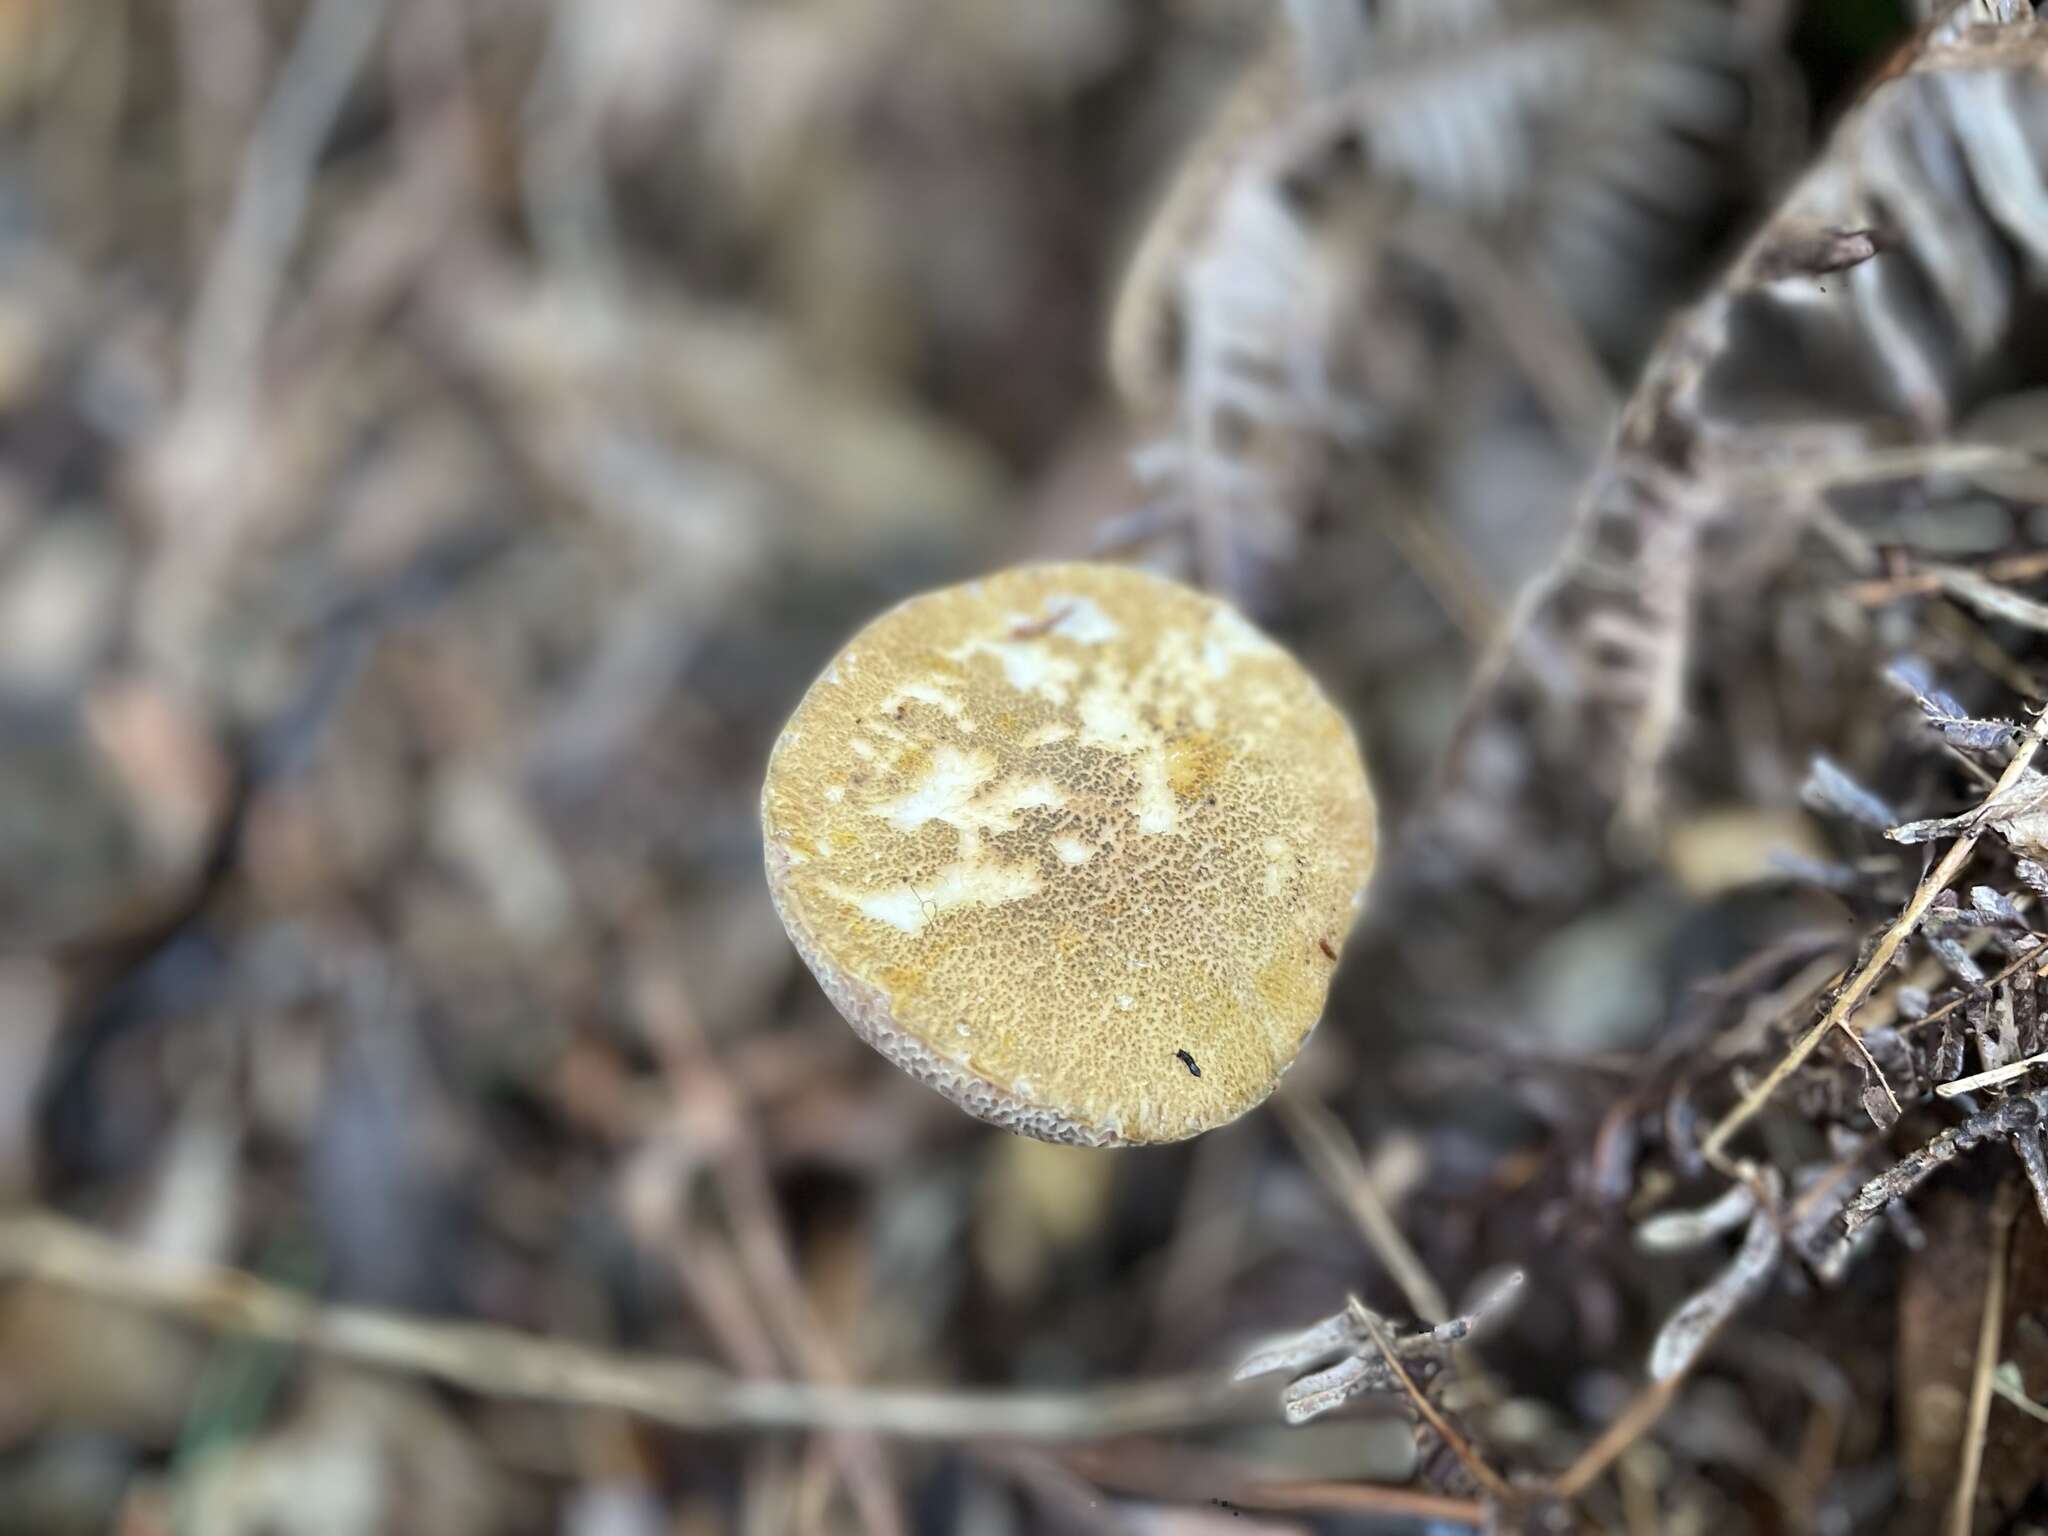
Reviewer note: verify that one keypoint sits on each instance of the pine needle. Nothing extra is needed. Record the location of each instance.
(1489, 1479)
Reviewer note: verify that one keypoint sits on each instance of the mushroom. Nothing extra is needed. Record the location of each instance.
(1075, 845)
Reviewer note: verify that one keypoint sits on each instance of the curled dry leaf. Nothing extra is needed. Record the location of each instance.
(1895, 271)
(1557, 155)
(1830, 789)
(2019, 815)
(1676, 1231)
(1692, 1327)
(1957, 727)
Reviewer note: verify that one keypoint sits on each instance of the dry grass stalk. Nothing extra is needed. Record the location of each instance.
(1175, 1474)
(1635, 1421)
(1963, 1510)
(503, 1362)
(1925, 583)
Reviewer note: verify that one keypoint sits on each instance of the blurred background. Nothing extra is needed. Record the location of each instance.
(440, 440)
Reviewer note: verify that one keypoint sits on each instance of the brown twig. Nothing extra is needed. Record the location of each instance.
(1207, 1245)
(1070, 1501)
(1922, 583)
(1872, 466)
(1439, 562)
(1950, 617)
(1635, 1421)
(1858, 986)
(1311, 1495)
(1877, 1073)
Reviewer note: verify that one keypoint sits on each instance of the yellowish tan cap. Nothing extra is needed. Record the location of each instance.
(1076, 845)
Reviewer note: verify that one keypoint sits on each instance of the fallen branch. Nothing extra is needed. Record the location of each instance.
(502, 1362)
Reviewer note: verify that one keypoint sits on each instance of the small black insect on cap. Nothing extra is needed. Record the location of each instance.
(1193, 1070)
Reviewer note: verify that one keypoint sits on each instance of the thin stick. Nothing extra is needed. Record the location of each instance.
(502, 1362)
(1873, 468)
(1530, 321)
(764, 1249)
(1964, 1508)
(1489, 1479)
(246, 274)
(1885, 589)
(2038, 958)
(1310, 1496)
(1328, 1149)
(2026, 1146)
(1994, 1077)
(1440, 563)
(1950, 615)
(1070, 1502)
(1138, 1468)
(1870, 1065)
(1636, 1420)
(1837, 1017)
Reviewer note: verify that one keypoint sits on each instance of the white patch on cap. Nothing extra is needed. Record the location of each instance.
(1229, 640)
(912, 909)
(948, 785)
(1279, 864)
(1156, 809)
(1029, 666)
(924, 693)
(1109, 722)
(955, 789)
(996, 810)
(1081, 620)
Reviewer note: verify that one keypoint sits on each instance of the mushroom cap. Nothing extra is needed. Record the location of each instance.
(1060, 840)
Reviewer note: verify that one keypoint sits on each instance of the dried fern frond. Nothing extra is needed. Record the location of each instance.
(1891, 289)
(1142, 332)
(1580, 142)
(1337, 1359)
